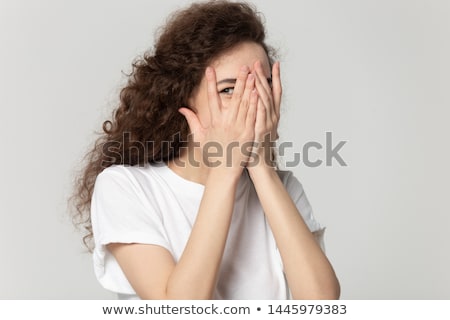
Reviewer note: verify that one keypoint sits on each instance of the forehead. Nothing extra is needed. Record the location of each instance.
(227, 65)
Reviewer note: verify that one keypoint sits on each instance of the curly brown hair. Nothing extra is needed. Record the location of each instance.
(162, 81)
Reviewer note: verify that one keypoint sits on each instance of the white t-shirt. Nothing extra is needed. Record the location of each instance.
(154, 205)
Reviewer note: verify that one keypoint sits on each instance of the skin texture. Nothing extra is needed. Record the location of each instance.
(226, 111)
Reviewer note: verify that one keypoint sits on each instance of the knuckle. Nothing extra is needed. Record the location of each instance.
(243, 75)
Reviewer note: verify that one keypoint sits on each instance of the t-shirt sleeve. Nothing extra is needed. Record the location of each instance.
(121, 213)
(298, 195)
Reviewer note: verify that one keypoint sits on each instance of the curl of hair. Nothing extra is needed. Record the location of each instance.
(161, 81)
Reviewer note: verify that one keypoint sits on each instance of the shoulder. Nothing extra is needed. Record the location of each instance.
(293, 185)
(119, 189)
(125, 174)
(285, 174)
(298, 195)
(289, 179)
(122, 171)
(126, 180)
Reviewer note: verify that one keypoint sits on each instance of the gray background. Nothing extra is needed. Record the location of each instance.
(374, 73)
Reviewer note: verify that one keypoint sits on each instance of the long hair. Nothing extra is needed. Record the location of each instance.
(161, 81)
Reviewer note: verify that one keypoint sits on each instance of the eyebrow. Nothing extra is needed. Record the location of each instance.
(228, 80)
(233, 81)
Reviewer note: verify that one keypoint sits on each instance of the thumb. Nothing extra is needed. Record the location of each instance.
(191, 118)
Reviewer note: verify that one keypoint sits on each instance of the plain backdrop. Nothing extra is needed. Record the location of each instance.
(375, 74)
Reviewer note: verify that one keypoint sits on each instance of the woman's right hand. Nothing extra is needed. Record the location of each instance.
(228, 138)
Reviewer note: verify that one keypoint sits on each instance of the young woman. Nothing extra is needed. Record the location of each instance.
(180, 195)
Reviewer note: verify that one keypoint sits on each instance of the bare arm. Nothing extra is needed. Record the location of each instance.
(308, 271)
(150, 269)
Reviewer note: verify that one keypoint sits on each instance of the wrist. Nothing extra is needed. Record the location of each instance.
(261, 170)
(263, 153)
(225, 173)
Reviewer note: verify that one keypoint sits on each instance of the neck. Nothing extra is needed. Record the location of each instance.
(190, 166)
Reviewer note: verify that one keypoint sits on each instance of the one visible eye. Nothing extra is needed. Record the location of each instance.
(227, 91)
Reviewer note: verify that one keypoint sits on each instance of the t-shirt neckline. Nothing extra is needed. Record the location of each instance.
(172, 176)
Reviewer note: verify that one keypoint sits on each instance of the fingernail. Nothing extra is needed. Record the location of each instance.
(244, 68)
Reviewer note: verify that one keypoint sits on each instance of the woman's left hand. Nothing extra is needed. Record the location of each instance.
(267, 117)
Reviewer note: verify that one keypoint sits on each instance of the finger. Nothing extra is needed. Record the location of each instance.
(192, 119)
(213, 95)
(252, 110)
(239, 86)
(276, 87)
(262, 77)
(260, 122)
(264, 97)
(245, 100)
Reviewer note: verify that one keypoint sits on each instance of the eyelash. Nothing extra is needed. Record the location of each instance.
(226, 91)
